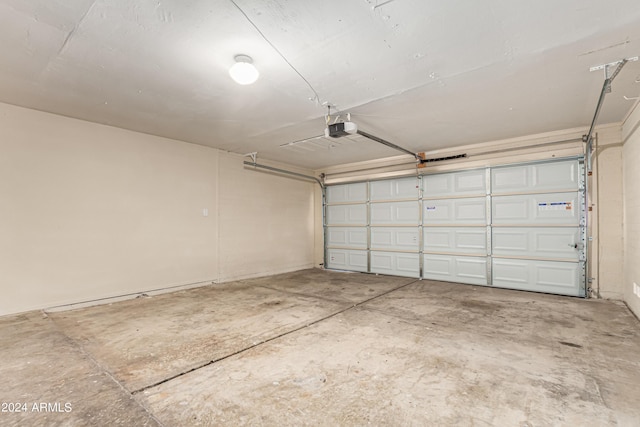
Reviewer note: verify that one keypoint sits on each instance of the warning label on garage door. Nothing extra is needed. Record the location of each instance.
(555, 206)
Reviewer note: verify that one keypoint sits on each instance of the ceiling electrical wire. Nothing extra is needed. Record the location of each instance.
(377, 5)
(316, 97)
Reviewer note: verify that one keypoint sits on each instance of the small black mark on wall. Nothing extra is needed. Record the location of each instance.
(570, 344)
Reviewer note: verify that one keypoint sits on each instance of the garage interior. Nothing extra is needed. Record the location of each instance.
(418, 214)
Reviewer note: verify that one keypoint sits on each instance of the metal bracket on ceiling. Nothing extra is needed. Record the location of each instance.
(609, 72)
(606, 88)
(254, 156)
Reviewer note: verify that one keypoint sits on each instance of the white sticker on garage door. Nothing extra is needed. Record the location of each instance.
(555, 206)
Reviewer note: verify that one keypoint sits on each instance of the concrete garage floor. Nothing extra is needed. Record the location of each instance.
(326, 348)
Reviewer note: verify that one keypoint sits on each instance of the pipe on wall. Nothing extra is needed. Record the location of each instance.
(286, 172)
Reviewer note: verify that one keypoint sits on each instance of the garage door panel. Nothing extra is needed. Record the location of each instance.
(461, 211)
(470, 182)
(555, 176)
(438, 211)
(395, 263)
(405, 188)
(438, 267)
(472, 240)
(470, 210)
(467, 240)
(398, 238)
(541, 276)
(542, 177)
(347, 214)
(355, 237)
(509, 179)
(550, 208)
(395, 213)
(347, 259)
(437, 185)
(545, 242)
(347, 193)
(471, 270)
(455, 184)
(510, 209)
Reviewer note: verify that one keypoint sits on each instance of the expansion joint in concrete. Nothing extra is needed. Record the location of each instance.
(100, 367)
(235, 353)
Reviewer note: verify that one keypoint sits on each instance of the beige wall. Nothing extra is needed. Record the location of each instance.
(266, 221)
(606, 227)
(90, 211)
(631, 186)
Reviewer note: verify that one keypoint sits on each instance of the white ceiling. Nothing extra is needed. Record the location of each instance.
(423, 74)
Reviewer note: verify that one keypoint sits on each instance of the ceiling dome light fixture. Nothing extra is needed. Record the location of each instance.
(243, 71)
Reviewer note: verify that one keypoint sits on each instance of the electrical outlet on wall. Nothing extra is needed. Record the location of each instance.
(636, 289)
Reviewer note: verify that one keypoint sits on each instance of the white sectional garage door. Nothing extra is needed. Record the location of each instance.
(518, 226)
